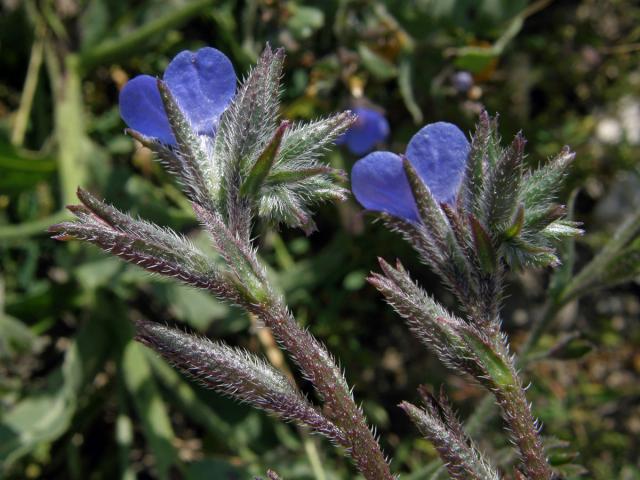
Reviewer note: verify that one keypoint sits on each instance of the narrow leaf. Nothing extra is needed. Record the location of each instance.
(191, 148)
(304, 143)
(430, 212)
(501, 192)
(542, 185)
(462, 460)
(515, 228)
(427, 319)
(440, 240)
(265, 161)
(187, 174)
(485, 251)
(150, 407)
(141, 243)
(236, 373)
(469, 197)
(496, 367)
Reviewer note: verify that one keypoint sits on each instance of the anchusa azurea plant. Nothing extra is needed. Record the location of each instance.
(470, 210)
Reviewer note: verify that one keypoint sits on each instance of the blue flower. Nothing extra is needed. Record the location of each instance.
(438, 152)
(369, 128)
(462, 81)
(202, 83)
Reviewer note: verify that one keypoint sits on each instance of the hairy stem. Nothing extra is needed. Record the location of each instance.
(276, 358)
(516, 411)
(320, 369)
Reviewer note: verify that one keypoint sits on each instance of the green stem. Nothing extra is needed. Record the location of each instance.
(549, 312)
(36, 227)
(120, 47)
(517, 413)
(29, 89)
(311, 449)
(284, 258)
(590, 275)
(70, 131)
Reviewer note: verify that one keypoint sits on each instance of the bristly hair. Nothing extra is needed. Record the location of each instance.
(238, 374)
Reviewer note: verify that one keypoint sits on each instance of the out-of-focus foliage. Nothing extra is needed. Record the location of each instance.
(79, 399)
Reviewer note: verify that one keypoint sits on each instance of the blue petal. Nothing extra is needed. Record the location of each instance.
(203, 84)
(370, 128)
(142, 110)
(379, 183)
(439, 154)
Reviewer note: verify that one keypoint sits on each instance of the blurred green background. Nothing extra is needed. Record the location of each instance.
(80, 400)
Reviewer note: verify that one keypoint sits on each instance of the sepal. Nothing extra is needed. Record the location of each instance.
(485, 252)
(191, 147)
(142, 243)
(188, 174)
(260, 170)
(500, 194)
(238, 374)
(298, 181)
(438, 423)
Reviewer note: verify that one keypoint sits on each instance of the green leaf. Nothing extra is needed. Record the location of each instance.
(405, 85)
(244, 272)
(475, 59)
(430, 212)
(150, 407)
(616, 262)
(500, 195)
(304, 21)
(378, 66)
(200, 173)
(37, 420)
(210, 468)
(22, 170)
(567, 250)
(495, 366)
(623, 267)
(473, 182)
(16, 337)
(561, 229)
(124, 439)
(487, 256)
(183, 394)
(94, 23)
(246, 128)
(44, 416)
(121, 46)
(541, 185)
(516, 224)
(74, 146)
(263, 164)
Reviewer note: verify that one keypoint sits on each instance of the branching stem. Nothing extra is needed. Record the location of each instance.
(319, 367)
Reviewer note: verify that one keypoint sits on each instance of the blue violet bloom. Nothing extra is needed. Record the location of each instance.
(462, 81)
(203, 83)
(370, 128)
(439, 154)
